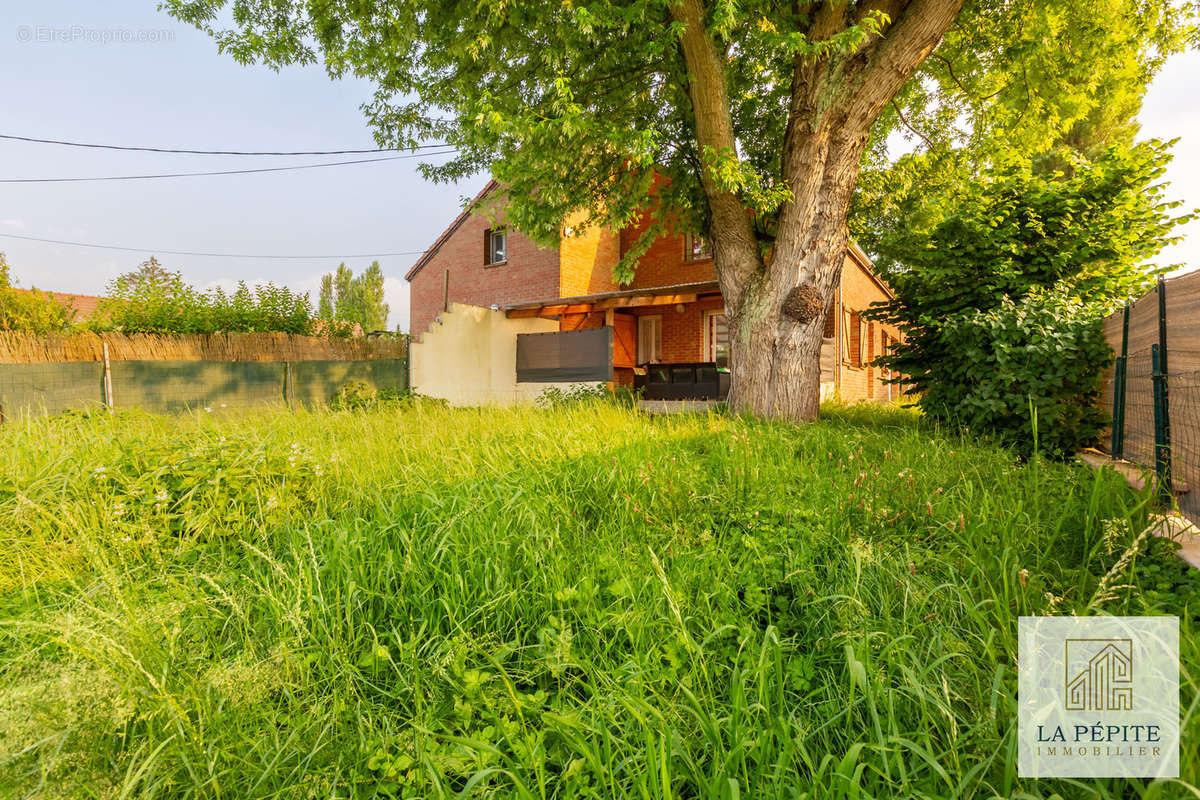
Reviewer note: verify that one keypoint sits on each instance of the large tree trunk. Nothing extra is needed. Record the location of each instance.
(777, 308)
(776, 333)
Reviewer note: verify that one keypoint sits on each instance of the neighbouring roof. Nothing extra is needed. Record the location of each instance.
(446, 234)
(84, 305)
(703, 287)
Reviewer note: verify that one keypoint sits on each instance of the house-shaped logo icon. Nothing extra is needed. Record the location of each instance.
(1098, 674)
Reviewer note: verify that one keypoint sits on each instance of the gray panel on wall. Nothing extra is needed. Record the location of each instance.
(562, 356)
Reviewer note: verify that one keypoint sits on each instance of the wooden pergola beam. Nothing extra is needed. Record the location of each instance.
(550, 311)
(648, 300)
(603, 305)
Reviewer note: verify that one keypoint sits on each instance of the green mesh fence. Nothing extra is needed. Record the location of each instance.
(176, 386)
(49, 388)
(316, 382)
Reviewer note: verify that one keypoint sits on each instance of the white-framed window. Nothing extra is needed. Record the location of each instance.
(496, 246)
(649, 345)
(716, 338)
(696, 248)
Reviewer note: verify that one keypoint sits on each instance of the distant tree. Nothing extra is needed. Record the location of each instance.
(370, 297)
(355, 299)
(31, 311)
(150, 277)
(325, 304)
(345, 305)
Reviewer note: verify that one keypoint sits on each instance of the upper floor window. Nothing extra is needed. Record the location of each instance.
(495, 242)
(696, 248)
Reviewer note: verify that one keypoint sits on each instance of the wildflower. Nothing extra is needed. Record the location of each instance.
(1023, 576)
(119, 510)
(208, 409)
(162, 496)
(222, 405)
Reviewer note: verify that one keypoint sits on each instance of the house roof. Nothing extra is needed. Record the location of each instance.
(84, 305)
(446, 234)
(704, 287)
(854, 251)
(864, 261)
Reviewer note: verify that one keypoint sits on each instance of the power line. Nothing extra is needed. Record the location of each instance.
(223, 172)
(208, 255)
(216, 152)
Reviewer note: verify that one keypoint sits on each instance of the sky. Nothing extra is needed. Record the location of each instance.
(121, 72)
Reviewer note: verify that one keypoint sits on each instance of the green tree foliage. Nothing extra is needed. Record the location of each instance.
(374, 310)
(354, 300)
(152, 299)
(758, 113)
(325, 304)
(344, 303)
(30, 311)
(1027, 373)
(1001, 284)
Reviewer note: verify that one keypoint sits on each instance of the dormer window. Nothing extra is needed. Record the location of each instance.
(696, 248)
(495, 242)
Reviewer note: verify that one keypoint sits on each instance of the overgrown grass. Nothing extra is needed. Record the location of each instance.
(574, 602)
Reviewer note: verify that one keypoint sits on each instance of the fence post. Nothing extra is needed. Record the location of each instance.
(108, 393)
(289, 385)
(1119, 372)
(407, 362)
(1162, 359)
(1162, 426)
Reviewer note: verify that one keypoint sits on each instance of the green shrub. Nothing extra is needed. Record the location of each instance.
(355, 394)
(153, 300)
(554, 397)
(1027, 372)
(358, 395)
(31, 311)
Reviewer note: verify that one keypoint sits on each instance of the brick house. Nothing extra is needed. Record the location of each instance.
(670, 314)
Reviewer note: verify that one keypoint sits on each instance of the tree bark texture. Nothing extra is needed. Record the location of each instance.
(835, 99)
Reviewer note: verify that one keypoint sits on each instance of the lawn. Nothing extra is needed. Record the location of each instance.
(414, 601)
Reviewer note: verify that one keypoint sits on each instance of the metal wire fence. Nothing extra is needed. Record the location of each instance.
(1185, 440)
(1153, 388)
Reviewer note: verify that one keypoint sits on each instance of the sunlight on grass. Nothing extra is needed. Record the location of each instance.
(585, 601)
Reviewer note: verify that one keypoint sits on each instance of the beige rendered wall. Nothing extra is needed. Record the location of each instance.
(468, 357)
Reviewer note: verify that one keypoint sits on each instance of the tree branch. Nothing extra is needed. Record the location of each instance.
(736, 252)
(892, 58)
(908, 125)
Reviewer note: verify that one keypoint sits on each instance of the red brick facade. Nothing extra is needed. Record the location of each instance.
(582, 265)
(530, 273)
